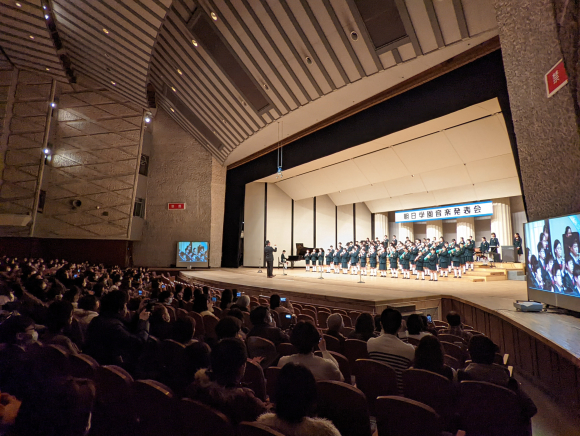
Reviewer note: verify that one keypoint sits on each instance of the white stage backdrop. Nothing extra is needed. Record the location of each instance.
(304, 223)
(363, 221)
(278, 220)
(254, 224)
(345, 223)
(325, 222)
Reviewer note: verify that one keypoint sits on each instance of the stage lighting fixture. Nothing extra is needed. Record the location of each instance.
(214, 16)
(106, 31)
(46, 16)
(148, 117)
(353, 35)
(180, 72)
(18, 5)
(173, 89)
(194, 42)
(46, 151)
(113, 82)
(31, 37)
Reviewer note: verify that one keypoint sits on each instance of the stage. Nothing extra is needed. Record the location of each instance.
(557, 331)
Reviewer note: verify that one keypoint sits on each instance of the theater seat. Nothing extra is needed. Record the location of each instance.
(209, 323)
(460, 353)
(197, 419)
(398, 416)
(254, 379)
(322, 317)
(83, 366)
(255, 429)
(155, 408)
(307, 318)
(344, 405)
(343, 365)
(355, 349)
(286, 349)
(332, 344)
(272, 374)
(452, 362)
(260, 347)
(375, 379)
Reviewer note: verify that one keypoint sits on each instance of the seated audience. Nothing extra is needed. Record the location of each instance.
(295, 400)
(364, 328)
(228, 327)
(59, 317)
(264, 327)
(429, 356)
(18, 330)
(388, 348)
(415, 327)
(88, 307)
(186, 297)
(183, 330)
(208, 311)
(226, 299)
(109, 340)
(305, 337)
(242, 303)
(482, 351)
(220, 388)
(334, 323)
(159, 322)
(455, 327)
(238, 314)
(275, 304)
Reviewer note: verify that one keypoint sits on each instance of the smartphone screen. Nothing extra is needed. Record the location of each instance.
(214, 299)
(283, 299)
(140, 292)
(288, 316)
(429, 318)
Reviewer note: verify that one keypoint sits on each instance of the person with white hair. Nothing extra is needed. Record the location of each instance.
(334, 323)
(242, 303)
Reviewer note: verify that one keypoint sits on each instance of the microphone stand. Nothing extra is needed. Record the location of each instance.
(260, 268)
(360, 276)
(321, 274)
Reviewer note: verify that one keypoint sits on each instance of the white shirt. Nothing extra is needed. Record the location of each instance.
(394, 352)
(420, 336)
(322, 368)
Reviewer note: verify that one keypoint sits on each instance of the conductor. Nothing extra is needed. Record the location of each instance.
(269, 257)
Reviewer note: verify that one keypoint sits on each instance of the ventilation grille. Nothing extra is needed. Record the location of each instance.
(382, 20)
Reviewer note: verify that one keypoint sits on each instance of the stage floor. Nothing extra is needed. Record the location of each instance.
(496, 296)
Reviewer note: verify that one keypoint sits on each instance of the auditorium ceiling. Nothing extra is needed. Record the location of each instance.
(240, 75)
(464, 156)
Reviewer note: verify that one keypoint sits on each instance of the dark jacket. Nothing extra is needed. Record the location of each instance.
(110, 342)
(269, 253)
(271, 333)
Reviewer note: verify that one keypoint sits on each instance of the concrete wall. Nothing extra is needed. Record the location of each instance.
(546, 129)
(182, 171)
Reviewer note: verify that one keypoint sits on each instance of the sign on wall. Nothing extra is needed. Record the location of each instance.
(176, 206)
(556, 78)
(483, 208)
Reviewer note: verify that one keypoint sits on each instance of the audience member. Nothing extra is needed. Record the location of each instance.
(455, 327)
(364, 328)
(334, 323)
(305, 338)
(59, 317)
(226, 299)
(429, 356)
(183, 330)
(109, 340)
(237, 313)
(388, 348)
(228, 327)
(415, 327)
(220, 386)
(295, 400)
(275, 302)
(159, 322)
(208, 308)
(242, 303)
(87, 309)
(263, 326)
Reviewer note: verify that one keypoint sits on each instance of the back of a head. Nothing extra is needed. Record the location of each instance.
(429, 354)
(482, 350)
(414, 324)
(183, 329)
(228, 327)
(58, 315)
(13, 328)
(454, 319)
(164, 296)
(305, 337)
(113, 302)
(88, 302)
(243, 301)
(391, 321)
(187, 294)
(60, 407)
(334, 322)
(236, 313)
(197, 356)
(274, 301)
(295, 393)
(365, 324)
(228, 356)
(226, 298)
(258, 315)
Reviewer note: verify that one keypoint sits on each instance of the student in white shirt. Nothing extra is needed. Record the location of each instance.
(388, 348)
(305, 337)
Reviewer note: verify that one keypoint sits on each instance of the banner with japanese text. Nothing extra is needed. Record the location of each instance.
(484, 208)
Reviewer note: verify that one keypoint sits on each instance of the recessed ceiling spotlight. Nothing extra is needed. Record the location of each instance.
(265, 86)
(44, 7)
(18, 5)
(173, 89)
(171, 109)
(308, 60)
(194, 42)
(106, 31)
(31, 37)
(412, 175)
(353, 35)
(53, 104)
(180, 72)
(113, 83)
(46, 151)
(47, 69)
(148, 117)
(213, 16)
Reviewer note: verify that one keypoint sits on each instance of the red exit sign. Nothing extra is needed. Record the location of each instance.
(176, 206)
(556, 78)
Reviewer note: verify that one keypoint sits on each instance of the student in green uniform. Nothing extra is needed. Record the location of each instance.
(354, 260)
(433, 264)
(518, 245)
(373, 261)
(344, 258)
(329, 264)
(283, 260)
(336, 260)
(314, 258)
(320, 259)
(393, 258)
(469, 252)
(414, 252)
(484, 248)
(456, 261)
(419, 265)
(404, 261)
(443, 261)
(307, 260)
(383, 261)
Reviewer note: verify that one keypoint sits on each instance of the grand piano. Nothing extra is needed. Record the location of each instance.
(300, 252)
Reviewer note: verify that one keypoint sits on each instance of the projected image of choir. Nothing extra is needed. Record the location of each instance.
(554, 267)
(427, 258)
(192, 251)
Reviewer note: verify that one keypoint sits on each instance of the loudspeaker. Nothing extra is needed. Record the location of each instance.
(496, 257)
(508, 253)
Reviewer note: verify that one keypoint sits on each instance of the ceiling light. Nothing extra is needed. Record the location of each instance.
(46, 16)
(213, 16)
(44, 7)
(47, 69)
(46, 151)
(18, 4)
(171, 109)
(113, 82)
(308, 60)
(31, 37)
(173, 89)
(106, 31)
(353, 35)
(180, 72)
(194, 42)
(148, 117)
(53, 104)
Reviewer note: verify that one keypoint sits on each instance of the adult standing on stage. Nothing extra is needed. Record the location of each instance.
(269, 258)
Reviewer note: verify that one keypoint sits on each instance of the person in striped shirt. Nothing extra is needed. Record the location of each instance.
(389, 349)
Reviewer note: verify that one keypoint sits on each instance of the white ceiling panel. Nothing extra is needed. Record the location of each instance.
(372, 192)
(494, 168)
(492, 106)
(446, 178)
(381, 166)
(422, 25)
(498, 188)
(420, 199)
(457, 194)
(344, 197)
(479, 15)
(384, 204)
(427, 153)
(405, 185)
(480, 139)
(293, 188)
